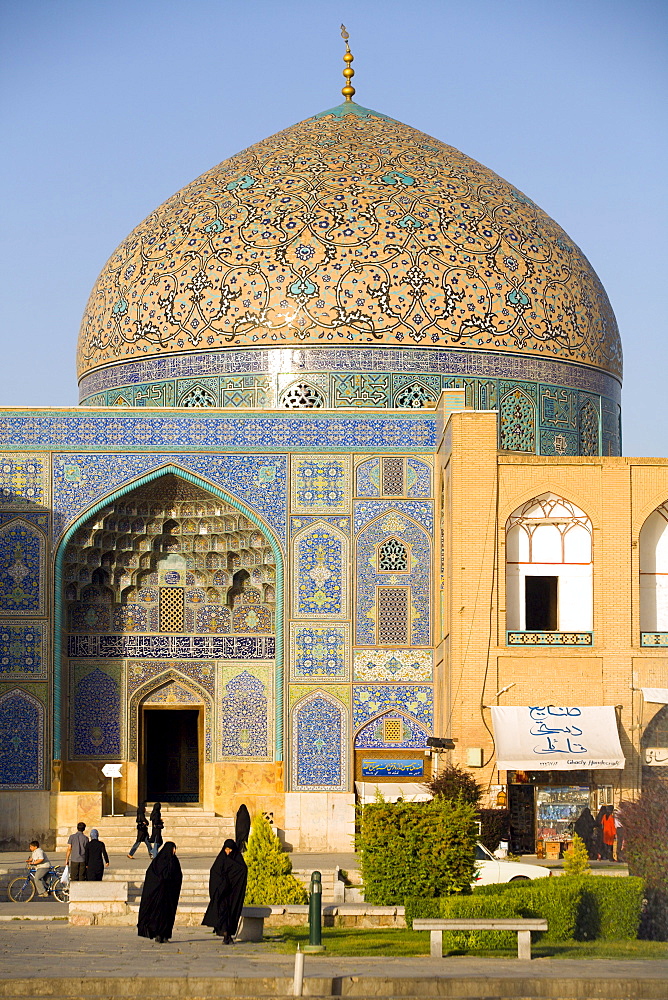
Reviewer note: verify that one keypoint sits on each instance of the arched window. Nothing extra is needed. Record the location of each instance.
(392, 556)
(549, 567)
(653, 550)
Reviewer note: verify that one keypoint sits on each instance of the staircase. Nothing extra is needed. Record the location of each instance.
(195, 887)
(193, 830)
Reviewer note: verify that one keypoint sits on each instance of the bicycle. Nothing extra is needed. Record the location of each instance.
(23, 888)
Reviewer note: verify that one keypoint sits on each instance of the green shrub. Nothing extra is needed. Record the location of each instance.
(416, 848)
(270, 878)
(494, 827)
(418, 906)
(576, 858)
(618, 903)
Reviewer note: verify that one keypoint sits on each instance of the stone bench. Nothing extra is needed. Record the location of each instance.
(252, 923)
(523, 926)
(90, 900)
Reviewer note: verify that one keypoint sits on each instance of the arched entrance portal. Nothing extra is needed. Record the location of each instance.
(165, 587)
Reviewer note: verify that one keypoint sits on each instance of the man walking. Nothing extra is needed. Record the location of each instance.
(76, 847)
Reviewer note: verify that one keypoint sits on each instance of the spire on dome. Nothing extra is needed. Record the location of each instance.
(348, 72)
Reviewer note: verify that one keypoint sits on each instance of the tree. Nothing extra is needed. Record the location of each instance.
(576, 858)
(645, 824)
(270, 878)
(454, 781)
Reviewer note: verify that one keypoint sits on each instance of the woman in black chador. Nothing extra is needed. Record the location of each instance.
(96, 858)
(584, 826)
(156, 829)
(227, 888)
(142, 832)
(160, 895)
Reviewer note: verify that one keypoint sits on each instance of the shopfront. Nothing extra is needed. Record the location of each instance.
(557, 762)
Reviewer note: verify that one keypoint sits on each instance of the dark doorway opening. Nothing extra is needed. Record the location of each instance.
(541, 603)
(171, 754)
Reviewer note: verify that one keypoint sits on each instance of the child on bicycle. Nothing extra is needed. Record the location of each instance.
(39, 861)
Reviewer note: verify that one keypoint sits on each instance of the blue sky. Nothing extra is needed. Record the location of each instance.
(108, 108)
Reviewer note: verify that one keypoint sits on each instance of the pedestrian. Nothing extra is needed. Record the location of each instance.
(142, 832)
(227, 889)
(584, 827)
(39, 861)
(160, 895)
(619, 827)
(74, 856)
(156, 829)
(609, 832)
(242, 825)
(95, 856)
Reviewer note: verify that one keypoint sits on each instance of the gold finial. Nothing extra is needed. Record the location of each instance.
(348, 72)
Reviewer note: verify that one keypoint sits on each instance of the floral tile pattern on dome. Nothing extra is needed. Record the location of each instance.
(96, 720)
(319, 652)
(320, 484)
(24, 480)
(400, 665)
(367, 510)
(319, 743)
(245, 720)
(391, 731)
(21, 568)
(321, 554)
(415, 700)
(24, 650)
(21, 739)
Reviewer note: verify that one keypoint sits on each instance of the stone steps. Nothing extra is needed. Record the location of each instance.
(193, 830)
(195, 887)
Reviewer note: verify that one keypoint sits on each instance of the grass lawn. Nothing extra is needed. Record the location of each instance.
(388, 941)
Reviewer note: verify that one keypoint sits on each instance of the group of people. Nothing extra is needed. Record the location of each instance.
(601, 834)
(154, 842)
(227, 888)
(86, 857)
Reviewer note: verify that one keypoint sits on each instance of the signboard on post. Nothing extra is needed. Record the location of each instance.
(112, 771)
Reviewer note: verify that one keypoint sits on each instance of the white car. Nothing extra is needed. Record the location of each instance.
(492, 870)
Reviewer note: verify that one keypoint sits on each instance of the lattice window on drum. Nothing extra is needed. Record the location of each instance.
(171, 609)
(198, 396)
(517, 422)
(393, 731)
(392, 557)
(393, 477)
(301, 395)
(413, 395)
(393, 616)
(588, 428)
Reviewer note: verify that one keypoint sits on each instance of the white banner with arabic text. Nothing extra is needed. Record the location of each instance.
(536, 738)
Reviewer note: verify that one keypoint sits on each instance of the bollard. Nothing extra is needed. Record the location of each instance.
(315, 915)
(298, 980)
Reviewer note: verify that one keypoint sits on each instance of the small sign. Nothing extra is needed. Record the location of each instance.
(656, 756)
(384, 768)
(112, 770)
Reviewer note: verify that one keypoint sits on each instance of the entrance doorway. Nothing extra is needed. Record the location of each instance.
(172, 740)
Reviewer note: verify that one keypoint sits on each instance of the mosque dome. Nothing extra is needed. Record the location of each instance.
(346, 244)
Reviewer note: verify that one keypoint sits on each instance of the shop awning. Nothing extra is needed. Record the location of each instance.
(657, 695)
(551, 738)
(409, 791)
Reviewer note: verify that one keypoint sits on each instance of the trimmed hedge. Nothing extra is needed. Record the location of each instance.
(619, 905)
(472, 908)
(409, 848)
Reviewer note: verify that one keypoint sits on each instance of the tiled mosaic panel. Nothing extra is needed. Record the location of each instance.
(367, 478)
(373, 734)
(320, 484)
(138, 433)
(414, 700)
(172, 694)
(23, 650)
(370, 480)
(319, 744)
(245, 719)
(219, 647)
(368, 510)
(259, 482)
(147, 678)
(96, 711)
(321, 563)
(24, 480)
(21, 740)
(369, 578)
(297, 523)
(401, 665)
(319, 651)
(21, 568)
